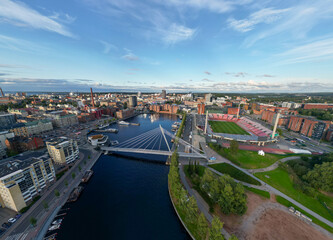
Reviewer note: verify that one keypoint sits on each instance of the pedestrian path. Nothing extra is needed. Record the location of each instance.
(18, 236)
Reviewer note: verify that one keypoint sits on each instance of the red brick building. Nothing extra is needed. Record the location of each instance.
(121, 114)
(201, 108)
(232, 111)
(317, 106)
(21, 144)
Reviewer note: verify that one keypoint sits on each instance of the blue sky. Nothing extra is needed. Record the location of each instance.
(177, 45)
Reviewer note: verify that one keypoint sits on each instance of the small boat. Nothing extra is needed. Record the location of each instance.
(115, 142)
(75, 194)
(135, 124)
(123, 123)
(56, 222)
(54, 227)
(111, 130)
(87, 176)
(103, 126)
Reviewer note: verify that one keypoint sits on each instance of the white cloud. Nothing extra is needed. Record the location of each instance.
(266, 15)
(108, 47)
(176, 33)
(130, 57)
(16, 44)
(20, 14)
(314, 51)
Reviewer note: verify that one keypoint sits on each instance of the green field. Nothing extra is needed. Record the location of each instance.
(258, 191)
(227, 127)
(247, 159)
(281, 180)
(226, 168)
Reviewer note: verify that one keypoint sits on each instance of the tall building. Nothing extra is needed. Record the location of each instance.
(21, 180)
(163, 95)
(63, 150)
(208, 98)
(64, 120)
(132, 101)
(201, 108)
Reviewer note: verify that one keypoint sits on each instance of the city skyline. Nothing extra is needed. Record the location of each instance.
(198, 46)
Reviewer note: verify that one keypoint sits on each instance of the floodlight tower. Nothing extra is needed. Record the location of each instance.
(206, 122)
(276, 123)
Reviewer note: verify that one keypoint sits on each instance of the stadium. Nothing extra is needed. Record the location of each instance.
(228, 127)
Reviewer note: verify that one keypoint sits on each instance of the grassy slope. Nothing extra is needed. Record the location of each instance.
(288, 204)
(248, 159)
(280, 179)
(234, 172)
(227, 127)
(259, 192)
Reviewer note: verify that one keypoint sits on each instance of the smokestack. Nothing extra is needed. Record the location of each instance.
(2, 94)
(92, 98)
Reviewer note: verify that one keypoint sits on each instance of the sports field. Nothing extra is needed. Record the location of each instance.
(227, 127)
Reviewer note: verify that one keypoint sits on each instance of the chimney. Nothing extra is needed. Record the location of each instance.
(92, 98)
(2, 94)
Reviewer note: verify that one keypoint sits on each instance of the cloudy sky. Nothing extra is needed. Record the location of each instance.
(178, 45)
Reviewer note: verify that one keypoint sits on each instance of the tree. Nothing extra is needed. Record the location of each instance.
(80, 168)
(45, 205)
(233, 237)
(202, 226)
(56, 193)
(234, 147)
(66, 183)
(191, 210)
(215, 230)
(33, 221)
(73, 175)
(125, 105)
(89, 157)
(321, 177)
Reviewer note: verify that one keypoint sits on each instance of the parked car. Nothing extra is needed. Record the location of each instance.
(6, 225)
(18, 216)
(12, 220)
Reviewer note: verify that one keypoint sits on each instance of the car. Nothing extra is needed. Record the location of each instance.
(6, 225)
(18, 216)
(12, 220)
(2, 231)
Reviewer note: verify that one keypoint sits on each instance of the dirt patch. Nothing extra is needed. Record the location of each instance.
(276, 224)
(266, 219)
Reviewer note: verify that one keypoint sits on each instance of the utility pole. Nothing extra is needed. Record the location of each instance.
(276, 123)
(206, 123)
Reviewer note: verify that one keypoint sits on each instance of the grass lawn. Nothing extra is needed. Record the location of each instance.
(288, 204)
(226, 168)
(247, 159)
(258, 191)
(280, 179)
(227, 127)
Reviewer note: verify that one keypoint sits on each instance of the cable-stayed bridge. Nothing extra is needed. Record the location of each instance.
(154, 142)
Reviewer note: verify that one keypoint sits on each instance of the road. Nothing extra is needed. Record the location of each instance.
(37, 210)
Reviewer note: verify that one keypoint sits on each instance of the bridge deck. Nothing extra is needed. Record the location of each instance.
(149, 151)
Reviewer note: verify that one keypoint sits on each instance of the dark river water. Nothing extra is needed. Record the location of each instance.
(126, 198)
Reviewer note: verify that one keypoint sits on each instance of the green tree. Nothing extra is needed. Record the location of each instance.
(191, 210)
(66, 183)
(33, 221)
(80, 168)
(234, 147)
(89, 157)
(45, 205)
(56, 193)
(233, 237)
(321, 177)
(202, 226)
(215, 230)
(73, 175)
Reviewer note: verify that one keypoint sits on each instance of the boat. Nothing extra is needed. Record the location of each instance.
(115, 142)
(103, 126)
(135, 124)
(75, 194)
(87, 176)
(123, 123)
(174, 126)
(58, 221)
(111, 130)
(54, 227)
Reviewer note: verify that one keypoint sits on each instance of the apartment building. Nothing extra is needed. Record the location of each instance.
(64, 120)
(32, 128)
(63, 150)
(20, 181)
(7, 120)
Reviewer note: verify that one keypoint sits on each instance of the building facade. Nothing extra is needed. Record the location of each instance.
(201, 108)
(60, 121)
(21, 181)
(7, 120)
(63, 150)
(32, 128)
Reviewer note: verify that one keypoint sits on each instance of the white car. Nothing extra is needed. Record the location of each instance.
(11, 220)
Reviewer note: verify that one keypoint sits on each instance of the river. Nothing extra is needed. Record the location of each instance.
(126, 198)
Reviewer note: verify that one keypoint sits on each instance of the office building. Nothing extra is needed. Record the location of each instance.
(21, 180)
(7, 120)
(64, 120)
(133, 101)
(163, 95)
(63, 150)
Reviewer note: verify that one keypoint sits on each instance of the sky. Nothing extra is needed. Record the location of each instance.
(177, 45)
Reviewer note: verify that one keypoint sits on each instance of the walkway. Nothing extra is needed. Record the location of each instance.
(202, 205)
(274, 166)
